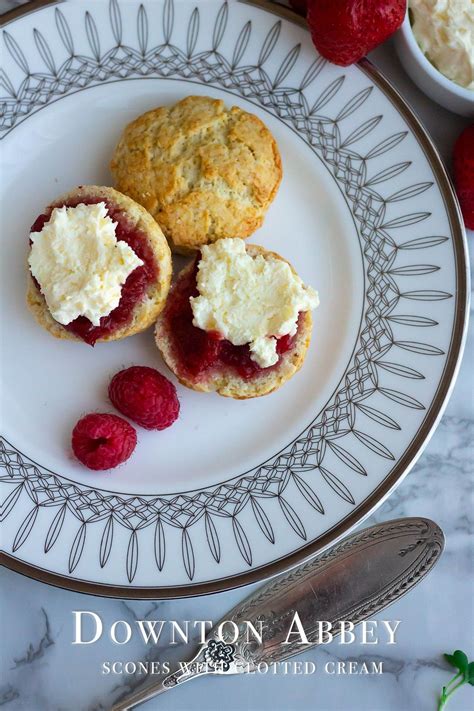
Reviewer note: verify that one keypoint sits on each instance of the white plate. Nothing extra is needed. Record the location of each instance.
(234, 491)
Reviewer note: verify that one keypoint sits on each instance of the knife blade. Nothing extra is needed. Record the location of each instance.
(350, 582)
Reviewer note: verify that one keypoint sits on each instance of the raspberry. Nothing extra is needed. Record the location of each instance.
(343, 31)
(102, 441)
(145, 396)
(463, 166)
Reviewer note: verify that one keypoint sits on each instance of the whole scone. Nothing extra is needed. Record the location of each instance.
(202, 170)
(143, 294)
(225, 380)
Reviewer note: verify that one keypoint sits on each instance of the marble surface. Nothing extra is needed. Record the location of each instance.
(40, 670)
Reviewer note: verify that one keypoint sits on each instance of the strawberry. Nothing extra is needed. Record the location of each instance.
(300, 6)
(344, 31)
(463, 165)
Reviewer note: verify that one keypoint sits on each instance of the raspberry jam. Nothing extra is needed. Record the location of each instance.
(199, 351)
(134, 288)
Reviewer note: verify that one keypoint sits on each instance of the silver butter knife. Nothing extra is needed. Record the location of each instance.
(352, 581)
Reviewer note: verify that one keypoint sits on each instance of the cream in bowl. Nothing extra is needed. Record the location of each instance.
(436, 47)
(444, 29)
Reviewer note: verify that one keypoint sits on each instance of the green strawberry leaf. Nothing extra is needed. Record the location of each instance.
(470, 673)
(465, 675)
(458, 660)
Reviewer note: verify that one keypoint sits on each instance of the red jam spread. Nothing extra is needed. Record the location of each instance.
(136, 284)
(199, 351)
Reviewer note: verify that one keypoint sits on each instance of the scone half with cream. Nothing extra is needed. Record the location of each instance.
(237, 321)
(99, 266)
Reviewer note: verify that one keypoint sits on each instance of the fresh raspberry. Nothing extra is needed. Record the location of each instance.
(344, 31)
(145, 396)
(300, 6)
(463, 165)
(102, 441)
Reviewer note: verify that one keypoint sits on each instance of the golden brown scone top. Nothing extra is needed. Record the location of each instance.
(203, 171)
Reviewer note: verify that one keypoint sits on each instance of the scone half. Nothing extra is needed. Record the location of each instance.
(144, 292)
(225, 379)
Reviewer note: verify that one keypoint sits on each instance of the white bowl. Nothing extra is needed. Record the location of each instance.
(429, 79)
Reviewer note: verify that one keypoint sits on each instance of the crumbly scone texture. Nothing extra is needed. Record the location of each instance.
(202, 170)
(147, 310)
(227, 382)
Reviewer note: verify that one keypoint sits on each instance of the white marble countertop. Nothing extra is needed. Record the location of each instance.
(42, 671)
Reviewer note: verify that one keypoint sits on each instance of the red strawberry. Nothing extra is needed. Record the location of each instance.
(102, 441)
(344, 31)
(463, 165)
(145, 396)
(300, 6)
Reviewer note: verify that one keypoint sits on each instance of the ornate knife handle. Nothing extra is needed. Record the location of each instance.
(352, 581)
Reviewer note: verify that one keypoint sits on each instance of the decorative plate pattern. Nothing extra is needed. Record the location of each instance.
(353, 432)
